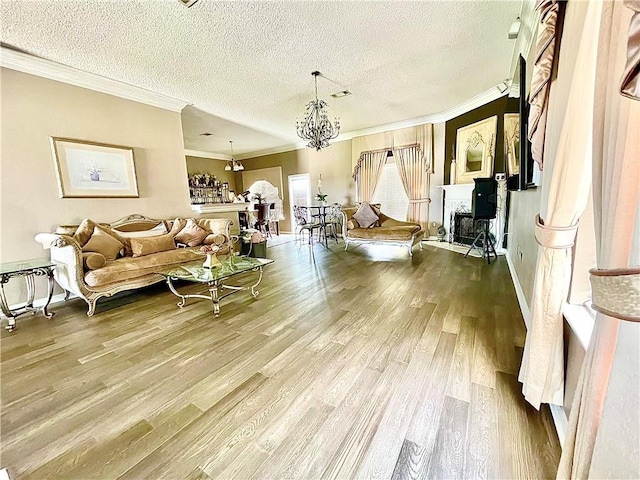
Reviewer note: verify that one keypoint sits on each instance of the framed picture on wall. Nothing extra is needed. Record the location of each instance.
(512, 143)
(89, 169)
(475, 150)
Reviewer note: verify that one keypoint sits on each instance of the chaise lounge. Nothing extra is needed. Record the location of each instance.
(360, 227)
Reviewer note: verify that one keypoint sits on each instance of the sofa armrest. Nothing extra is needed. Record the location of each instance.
(219, 226)
(67, 256)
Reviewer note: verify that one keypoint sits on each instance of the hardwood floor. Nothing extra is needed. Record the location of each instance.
(360, 364)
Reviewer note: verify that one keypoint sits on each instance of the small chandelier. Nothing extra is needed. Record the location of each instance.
(316, 126)
(232, 164)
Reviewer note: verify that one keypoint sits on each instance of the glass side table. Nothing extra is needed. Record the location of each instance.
(28, 269)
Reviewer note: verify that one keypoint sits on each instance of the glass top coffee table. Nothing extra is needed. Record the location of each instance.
(215, 278)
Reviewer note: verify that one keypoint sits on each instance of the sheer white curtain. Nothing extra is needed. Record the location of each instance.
(542, 370)
(367, 173)
(616, 193)
(414, 173)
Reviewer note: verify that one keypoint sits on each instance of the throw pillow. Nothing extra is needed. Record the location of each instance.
(176, 226)
(148, 245)
(365, 215)
(352, 223)
(84, 231)
(192, 234)
(93, 260)
(102, 242)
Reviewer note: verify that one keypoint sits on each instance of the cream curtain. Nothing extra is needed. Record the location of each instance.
(414, 173)
(542, 369)
(367, 173)
(370, 143)
(541, 79)
(616, 192)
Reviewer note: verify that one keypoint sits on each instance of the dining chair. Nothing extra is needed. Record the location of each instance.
(304, 224)
(333, 220)
(263, 218)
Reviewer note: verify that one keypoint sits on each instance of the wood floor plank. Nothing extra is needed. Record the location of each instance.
(482, 433)
(447, 459)
(459, 384)
(365, 363)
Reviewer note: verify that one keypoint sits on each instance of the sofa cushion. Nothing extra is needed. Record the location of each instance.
(398, 233)
(352, 223)
(148, 245)
(93, 260)
(192, 234)
(365, 215)
(104, 243)
(131, 268)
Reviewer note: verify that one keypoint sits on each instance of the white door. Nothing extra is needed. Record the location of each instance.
(299, 192)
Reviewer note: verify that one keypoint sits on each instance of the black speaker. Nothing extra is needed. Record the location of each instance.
(484, 199)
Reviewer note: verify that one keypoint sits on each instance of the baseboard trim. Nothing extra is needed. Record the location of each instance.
(522, 299)
(560, 421)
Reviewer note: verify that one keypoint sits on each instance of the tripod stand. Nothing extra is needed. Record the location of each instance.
(484, 241)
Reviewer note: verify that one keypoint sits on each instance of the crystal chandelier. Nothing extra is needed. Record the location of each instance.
(232, 164)
(316, 126)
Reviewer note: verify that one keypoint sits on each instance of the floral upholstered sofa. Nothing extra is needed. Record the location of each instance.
(95, 260)
(366, 224)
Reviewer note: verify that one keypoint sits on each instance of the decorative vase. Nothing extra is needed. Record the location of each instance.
(211, 261)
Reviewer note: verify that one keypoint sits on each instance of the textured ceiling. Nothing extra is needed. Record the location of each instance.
(246, 66)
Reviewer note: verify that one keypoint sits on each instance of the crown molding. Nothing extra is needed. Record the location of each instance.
(210, 155)
(41, 67)
(474, 102)
(279, 149)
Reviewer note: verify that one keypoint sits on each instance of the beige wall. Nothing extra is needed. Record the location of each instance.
(521, 244)
(334, 163)
(212, 167)
(273, 175)
(33, 109)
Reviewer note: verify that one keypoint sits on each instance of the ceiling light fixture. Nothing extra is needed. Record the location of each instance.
(316, 127)
(188, 3)
(341, 93)
(232, 164)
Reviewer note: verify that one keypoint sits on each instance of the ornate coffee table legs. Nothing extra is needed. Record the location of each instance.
(215, 288)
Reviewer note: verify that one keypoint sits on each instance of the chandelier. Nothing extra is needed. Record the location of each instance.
(232, 164)
(316, 126)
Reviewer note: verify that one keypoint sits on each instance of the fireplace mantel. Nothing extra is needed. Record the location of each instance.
(458, 198)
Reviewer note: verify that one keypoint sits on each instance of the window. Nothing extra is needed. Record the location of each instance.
(390, 193)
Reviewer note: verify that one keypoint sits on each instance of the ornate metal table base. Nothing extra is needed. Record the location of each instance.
(215, 287)
(28, 273)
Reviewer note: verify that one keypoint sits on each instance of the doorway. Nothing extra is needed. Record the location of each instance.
(299, 193)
